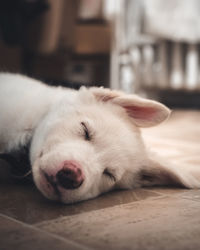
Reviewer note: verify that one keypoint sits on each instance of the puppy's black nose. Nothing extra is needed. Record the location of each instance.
(70, 176)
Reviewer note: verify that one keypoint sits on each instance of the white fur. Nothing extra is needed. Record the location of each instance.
(51, 117)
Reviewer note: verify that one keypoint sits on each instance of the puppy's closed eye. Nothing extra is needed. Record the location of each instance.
(109, 174)
(87, 134)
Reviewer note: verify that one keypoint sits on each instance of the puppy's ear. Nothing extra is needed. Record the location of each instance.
(159, 172)
(144, 112)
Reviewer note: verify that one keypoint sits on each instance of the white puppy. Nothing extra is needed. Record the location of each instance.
(82, 143)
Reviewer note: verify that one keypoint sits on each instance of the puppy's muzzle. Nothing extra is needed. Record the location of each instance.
(69, 176)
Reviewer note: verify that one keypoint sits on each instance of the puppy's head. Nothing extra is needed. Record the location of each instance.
(91, 143)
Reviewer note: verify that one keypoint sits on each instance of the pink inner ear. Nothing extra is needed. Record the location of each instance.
(107, 98)
(142, 113)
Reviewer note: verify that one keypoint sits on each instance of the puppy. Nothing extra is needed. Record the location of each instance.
(83, 143)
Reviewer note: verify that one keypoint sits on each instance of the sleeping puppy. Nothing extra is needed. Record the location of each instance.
(83, 143)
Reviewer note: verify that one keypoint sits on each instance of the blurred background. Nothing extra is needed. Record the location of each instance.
(148, 47)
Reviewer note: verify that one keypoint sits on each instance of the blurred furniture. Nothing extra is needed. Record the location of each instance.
(148, 63)
(67, 42)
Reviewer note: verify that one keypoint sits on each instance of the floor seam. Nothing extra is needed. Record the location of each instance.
(120, 206)
(46, 232)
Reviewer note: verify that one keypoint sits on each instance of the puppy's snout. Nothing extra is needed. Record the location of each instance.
(70, 176)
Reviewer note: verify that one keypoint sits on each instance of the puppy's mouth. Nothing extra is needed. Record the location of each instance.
(53, 183)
